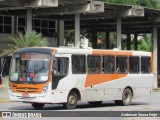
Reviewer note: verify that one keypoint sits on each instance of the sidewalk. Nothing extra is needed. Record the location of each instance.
(4, 91)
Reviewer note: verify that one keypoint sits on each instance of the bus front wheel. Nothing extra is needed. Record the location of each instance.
(71, 101)
(38, 105)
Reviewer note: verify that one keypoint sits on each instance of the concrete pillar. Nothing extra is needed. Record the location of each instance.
(158, 47)
(29, 20)
(13, 24)
(155, 85)
(56, 33)
(107, 40)
(61, 33)
(128, 41)
(119, 26)
(135, 41)
(77, 30)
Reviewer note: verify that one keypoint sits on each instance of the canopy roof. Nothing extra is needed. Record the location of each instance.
(135, 19)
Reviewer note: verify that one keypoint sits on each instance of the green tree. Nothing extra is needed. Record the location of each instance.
(145, 43)
(69, 36)
(131, 2)
(113, 40)
(102, 38)
(145, 3)
(24, 40)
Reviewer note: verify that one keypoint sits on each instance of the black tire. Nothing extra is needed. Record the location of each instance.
(117, 102)
(95, 103)
(38, 105)
(71, 101)
(126, 97)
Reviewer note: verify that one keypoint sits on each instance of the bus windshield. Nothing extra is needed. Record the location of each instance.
(30, 67)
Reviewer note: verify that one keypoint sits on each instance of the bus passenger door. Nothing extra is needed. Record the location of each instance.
(60, 70)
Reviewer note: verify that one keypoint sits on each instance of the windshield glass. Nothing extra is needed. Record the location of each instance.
(30, 68)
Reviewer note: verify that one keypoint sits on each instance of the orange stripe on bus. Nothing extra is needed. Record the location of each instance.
(109, 52)
(95, 79)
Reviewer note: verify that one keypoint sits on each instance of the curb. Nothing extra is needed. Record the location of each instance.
(4, 101)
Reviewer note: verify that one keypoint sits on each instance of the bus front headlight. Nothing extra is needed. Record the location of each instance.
(45, 89)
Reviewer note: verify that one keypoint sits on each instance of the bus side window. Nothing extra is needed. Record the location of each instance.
(145, 65)
(60, 66)
(78, 64)
(133, 65)
(94, 64)
(122, 64)
(108, 64)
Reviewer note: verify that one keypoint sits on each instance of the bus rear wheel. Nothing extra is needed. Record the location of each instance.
(71, 101)
(38, 105)
(127, 97)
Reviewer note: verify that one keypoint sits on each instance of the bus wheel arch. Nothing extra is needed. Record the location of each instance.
(127, 96)
(77, 92)
(130, 89)
(72, 99)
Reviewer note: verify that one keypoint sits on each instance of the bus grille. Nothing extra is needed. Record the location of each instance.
(26, 90)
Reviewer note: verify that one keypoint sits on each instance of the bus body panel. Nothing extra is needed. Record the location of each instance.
(92, 87)
(113, 90)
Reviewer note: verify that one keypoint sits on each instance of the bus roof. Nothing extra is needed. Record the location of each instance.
(101, 52)
(86, 51)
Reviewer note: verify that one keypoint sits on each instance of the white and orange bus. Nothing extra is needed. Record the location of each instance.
(69, 75)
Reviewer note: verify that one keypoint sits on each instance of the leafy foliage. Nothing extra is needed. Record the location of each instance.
(145, 43)
(69, 36)
(145, 3)
(22, 40)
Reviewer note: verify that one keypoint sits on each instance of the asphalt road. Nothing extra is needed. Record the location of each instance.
(148, 103)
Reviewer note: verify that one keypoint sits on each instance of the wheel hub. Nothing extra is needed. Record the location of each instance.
(71, 100)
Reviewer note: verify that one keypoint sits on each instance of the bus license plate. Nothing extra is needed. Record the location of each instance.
(25, 95)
